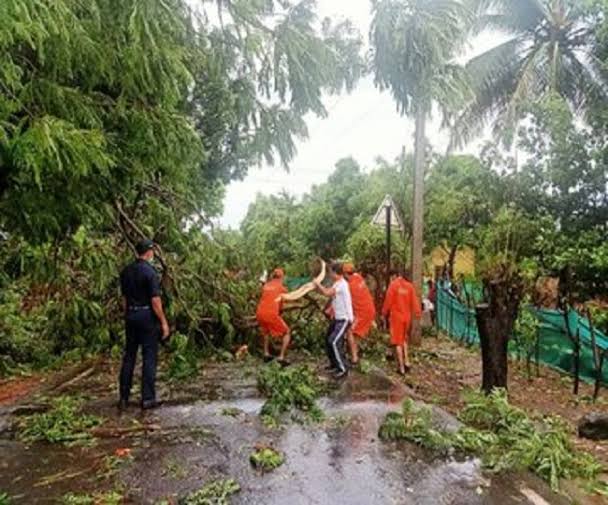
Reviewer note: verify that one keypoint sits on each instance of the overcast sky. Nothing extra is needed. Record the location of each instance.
(363, 124)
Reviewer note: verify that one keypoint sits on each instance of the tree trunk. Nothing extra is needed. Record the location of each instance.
(494, 342)
(495, 321)
(452, 260)
(418, 212)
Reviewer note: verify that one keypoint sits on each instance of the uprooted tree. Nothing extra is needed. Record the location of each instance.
(124, 119)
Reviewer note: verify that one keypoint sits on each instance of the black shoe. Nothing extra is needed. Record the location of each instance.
(149, 405)
(123, 404)
(283, 362)
(340, 374)
(268, 359)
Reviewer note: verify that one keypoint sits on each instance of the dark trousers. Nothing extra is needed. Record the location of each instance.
(334, 344)
(142, 330)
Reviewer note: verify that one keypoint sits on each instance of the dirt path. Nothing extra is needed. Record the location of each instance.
(207, 430)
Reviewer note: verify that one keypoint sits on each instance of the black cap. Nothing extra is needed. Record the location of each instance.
(143, 246)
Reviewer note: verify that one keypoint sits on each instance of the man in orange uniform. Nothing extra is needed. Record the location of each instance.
(363, 308)
(400, 304)
(269, 317)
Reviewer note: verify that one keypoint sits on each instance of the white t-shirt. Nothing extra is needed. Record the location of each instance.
(342, 302)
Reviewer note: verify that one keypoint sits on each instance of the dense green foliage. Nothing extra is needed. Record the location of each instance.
(331, 221)
(120, 119)
(126, 119)
(503, 436)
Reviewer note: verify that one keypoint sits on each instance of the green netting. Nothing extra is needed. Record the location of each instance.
(555, 347)
(294, 283)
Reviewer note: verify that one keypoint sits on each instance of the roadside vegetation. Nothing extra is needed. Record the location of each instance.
(504, 438)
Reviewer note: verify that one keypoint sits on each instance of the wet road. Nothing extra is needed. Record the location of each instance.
(189, 443)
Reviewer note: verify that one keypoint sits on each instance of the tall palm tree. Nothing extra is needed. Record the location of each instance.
(413, 46)
(549, 49)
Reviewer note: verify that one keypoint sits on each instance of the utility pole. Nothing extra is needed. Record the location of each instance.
(388, 243)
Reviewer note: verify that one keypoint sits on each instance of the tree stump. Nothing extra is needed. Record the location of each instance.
(494, 345)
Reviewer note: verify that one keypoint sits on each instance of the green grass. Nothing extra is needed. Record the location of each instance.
(4, 498)
(266, 459)
(64, 423)
(289, 390)
(215, 493)
(503, 436)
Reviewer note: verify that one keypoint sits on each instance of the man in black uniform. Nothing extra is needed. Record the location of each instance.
(145, 321)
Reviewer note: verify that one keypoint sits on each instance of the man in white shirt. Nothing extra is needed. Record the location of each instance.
(342, 309)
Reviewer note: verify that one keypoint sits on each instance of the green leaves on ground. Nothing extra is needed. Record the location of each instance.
(108, 498)
(266, 459)
(503, 436)
(183, 364)
(4, 499)
(64, 423)
(294, 387)
(215, 493)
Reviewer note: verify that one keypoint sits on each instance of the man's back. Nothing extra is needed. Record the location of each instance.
(401, 299)
(139, 283)
(363, 302)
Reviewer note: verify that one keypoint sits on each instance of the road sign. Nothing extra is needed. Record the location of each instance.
(382, 214)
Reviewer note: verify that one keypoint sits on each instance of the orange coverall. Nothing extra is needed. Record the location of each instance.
(400, 303)
(268, 312)
(363, 306)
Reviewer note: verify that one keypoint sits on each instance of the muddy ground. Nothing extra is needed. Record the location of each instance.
(207, 429)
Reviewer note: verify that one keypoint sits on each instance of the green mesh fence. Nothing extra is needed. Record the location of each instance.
(555, 347)
(294, 283)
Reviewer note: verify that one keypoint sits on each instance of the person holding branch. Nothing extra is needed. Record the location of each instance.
(268, 315)
(342, 309)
